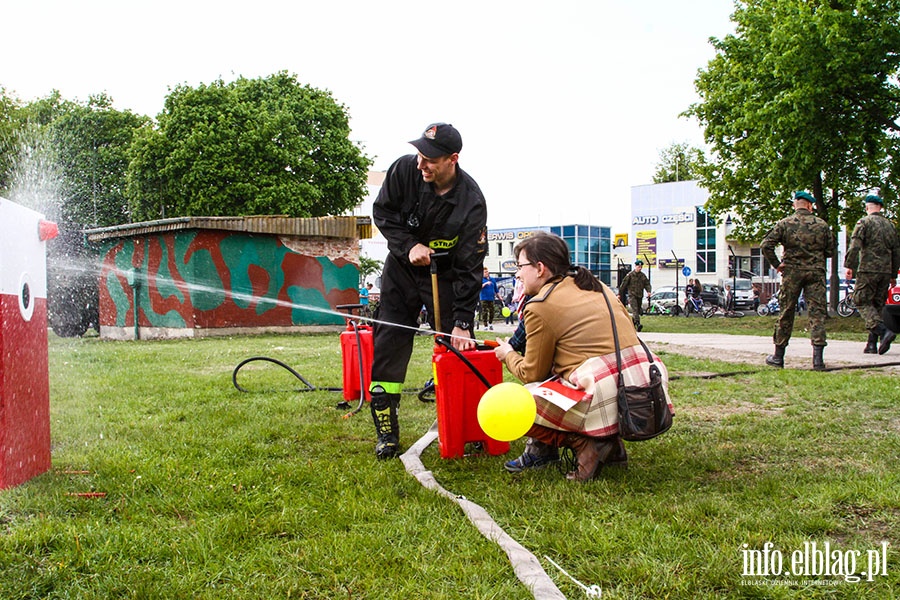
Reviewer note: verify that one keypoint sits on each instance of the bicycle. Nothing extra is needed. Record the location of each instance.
(718, 311)
(693, 305)
(769, 308)
(656, 308)
(847, 307)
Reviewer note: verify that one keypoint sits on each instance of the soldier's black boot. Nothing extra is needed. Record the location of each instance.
(818, 361)
(387, 428)
(872, 343)
(777, 359)
(887, 337)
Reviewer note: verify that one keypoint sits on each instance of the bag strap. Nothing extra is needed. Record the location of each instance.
(612, 320)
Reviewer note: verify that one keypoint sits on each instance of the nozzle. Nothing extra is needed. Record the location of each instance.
(47, 230)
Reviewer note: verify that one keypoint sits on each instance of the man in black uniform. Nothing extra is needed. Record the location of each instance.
(426, 205)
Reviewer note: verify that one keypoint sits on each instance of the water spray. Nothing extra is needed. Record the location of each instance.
(358, 325)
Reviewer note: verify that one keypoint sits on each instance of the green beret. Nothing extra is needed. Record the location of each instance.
(639, 263)
(874, 199)
(804, 196)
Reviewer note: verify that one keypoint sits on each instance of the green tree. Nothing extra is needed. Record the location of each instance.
(679, 162)
(92, 143)
(254, 146)
(24, 139)
(9, 108)
(802, 96)
(28, 172)
(368, 266)
(67, 159)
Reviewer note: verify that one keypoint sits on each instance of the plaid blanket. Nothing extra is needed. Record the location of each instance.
(586, 403)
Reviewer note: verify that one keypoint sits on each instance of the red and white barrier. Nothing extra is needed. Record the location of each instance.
(24, 374)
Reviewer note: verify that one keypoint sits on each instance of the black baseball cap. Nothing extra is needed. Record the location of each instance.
(438, 139)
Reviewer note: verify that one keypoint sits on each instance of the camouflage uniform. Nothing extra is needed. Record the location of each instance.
(807, 242)
(634, 284)
(874, 256)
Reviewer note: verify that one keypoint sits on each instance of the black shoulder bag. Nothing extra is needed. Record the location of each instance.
(643, 410)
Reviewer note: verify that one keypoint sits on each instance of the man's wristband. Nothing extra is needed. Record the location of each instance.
(462, 324)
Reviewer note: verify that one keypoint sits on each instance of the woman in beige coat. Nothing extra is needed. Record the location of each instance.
(567, 323)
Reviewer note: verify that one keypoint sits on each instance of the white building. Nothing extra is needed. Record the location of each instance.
(671, 231)
(376, 246)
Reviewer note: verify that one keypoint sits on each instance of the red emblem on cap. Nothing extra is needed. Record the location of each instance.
(430, 133)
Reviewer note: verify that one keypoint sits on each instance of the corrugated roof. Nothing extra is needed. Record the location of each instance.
(337, 227)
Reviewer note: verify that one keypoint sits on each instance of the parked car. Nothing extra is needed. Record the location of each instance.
(665, 301)
(664, 291)
(743, 294)
(712, 295)
(891, 311)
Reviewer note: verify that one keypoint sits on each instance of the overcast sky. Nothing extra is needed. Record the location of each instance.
(563, 105)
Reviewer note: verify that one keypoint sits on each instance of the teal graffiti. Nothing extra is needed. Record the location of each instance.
(208, 291)
(339, 278)
(165, 283)
(239, 254)
(119, 294)
(302, 297)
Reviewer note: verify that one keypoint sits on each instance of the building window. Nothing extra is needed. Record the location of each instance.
(706, 242)
(589, 247)
(757, 261)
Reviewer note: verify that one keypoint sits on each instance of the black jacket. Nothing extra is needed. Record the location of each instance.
(407, 212)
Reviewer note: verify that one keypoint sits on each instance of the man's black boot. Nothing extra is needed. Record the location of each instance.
(387, 428)
(777, 359)
(872, 343)
(818, 360)
(887, 337)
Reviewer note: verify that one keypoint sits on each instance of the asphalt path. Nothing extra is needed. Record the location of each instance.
(753, 349)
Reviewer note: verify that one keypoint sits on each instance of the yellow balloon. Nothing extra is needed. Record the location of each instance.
(506, 411)
(505, 311)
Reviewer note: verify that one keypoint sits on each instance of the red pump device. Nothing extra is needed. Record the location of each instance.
(356, 355)
(458, 390)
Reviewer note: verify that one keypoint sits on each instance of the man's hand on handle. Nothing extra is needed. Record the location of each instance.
(420, 255)
(461, 340)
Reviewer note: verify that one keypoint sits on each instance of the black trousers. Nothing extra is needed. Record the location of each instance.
(404, 290)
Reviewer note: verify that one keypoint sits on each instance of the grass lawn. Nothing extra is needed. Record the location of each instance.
(214, 493)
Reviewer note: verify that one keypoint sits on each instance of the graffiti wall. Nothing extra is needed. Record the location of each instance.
(172, 284)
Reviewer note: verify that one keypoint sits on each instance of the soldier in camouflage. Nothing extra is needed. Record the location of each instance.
(874, 257)
(634, 284)
(808, 243)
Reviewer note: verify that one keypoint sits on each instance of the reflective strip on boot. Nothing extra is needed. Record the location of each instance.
(387, 429)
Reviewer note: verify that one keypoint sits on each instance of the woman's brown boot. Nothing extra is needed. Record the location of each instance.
(618, 457)
(590, 453)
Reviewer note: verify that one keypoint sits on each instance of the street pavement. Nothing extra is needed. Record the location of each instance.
(753, 349)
